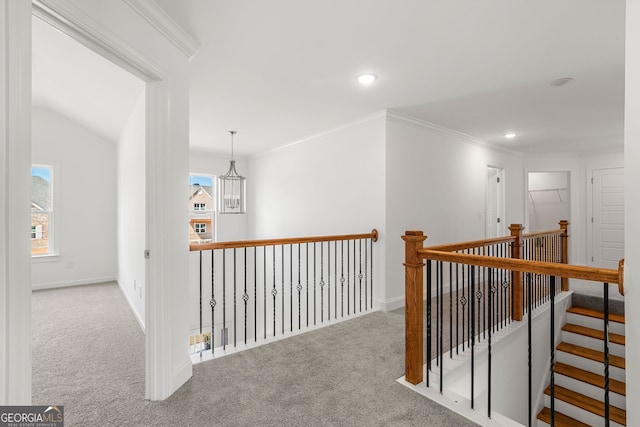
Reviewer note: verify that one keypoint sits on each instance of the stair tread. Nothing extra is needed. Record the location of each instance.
(560, 420)
(590, 378)
(618, 318)
(588, 404)
(593, 333)
(595, 355)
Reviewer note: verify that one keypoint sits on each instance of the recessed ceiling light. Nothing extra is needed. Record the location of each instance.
(366, 79)
(561, 82)
(510, 135)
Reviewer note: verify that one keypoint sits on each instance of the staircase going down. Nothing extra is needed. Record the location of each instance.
(579, 372)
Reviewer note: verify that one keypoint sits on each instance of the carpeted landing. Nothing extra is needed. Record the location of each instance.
(88, 355)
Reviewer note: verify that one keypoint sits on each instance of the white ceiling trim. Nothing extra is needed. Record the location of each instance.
(397, 117)
(170, 29)
(76, 24)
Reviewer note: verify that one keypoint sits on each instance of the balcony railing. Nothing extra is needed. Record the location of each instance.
(259, 290)
(486, 285)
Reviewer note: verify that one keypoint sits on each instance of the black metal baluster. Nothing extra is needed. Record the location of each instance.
(335, 280)
(200, 350)
(264, 290)
(529, 349)
(552, 348)
(457, 309)
(472, 333)
(321, 282)
(342, 278)
(274, 291)
(450, 311)
(282, 280)
(428, 343)
(245, 296)
(492, 291)
(212, 302)
(307, 274)
(235, 329)
(348, 270)
(607, 415)
(328, 281)
(291, 287)
(255, 293)
(366, 281)
(314, 283)
(371, 276)
(224, 300)
(360, 275)
(463, 301)
(441, 331)
(484, 295)
(354, 277)
(299, 289)
(438, 319)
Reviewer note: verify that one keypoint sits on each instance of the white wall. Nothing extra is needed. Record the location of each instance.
(84, 201)
(328, 184)
(632, 207)
(435, 182)
(131, 209)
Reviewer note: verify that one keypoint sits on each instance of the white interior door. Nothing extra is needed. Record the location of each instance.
(608, 217)
(494, 214)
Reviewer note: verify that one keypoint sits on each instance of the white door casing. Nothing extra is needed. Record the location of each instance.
(607, 217)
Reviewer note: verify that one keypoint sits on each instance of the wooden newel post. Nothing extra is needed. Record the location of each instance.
(564, 225)
(414, 307)
(516, 276)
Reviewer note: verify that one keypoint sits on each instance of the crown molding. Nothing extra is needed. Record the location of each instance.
(170, 29)
(67, 18)
(397, 117)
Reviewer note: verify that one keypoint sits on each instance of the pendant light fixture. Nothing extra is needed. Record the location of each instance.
(231, 188)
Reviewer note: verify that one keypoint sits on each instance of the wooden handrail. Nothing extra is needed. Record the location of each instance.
(471, 244)
(542, 233)
(525, 266)
(286, 241)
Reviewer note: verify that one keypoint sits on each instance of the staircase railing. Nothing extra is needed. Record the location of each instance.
(493, 282)
(258, 290)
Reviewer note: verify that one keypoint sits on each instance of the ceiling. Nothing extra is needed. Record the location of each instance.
(280, 71)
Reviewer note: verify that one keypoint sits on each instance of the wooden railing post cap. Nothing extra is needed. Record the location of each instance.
(563, 223)
(415, 235)
(516, 227)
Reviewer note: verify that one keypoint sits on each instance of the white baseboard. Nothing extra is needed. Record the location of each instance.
(132, 307)
(391, 304)
(53, 285)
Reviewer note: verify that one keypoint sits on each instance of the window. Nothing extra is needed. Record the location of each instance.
(41, 210)
(36, 232)
(201, 215)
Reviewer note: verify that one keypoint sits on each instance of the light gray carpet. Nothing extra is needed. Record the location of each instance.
(88, 355)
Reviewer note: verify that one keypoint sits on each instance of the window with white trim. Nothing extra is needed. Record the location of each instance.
(201, 214)
(42, 210)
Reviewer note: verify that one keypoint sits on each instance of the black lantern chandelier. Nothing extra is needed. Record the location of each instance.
(231, 188)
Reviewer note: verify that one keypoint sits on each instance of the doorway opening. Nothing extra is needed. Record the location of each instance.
(88, 118)
(548, 200)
